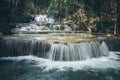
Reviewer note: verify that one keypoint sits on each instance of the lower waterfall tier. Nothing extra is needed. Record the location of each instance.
(23, 47)
(75, 52)
(52, 51)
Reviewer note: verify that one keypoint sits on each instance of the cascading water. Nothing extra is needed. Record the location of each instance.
(23, 47)
(55, 52)
(113, 43)
(75, 52)
(42, 22)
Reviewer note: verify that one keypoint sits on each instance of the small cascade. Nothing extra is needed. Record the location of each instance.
(104, 49)
(23, 47)
(113, 43)
(75, 52)
(41, 23)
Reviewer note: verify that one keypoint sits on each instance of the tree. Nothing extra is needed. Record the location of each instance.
(111, 13)
(57, 9)
(37, 6)
(118, 15)
(11, 13)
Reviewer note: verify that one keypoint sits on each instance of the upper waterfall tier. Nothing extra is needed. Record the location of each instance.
(41, 22)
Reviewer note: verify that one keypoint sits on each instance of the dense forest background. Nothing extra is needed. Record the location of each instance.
(95, 15)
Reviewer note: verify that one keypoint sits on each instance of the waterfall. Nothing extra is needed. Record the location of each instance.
(55, 52)
(104, 49)
(75, 52)
(23, 47)
(113, 43)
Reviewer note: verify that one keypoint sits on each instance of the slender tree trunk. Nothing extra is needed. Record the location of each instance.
(118, 15)
(115, 27)
(101, 23)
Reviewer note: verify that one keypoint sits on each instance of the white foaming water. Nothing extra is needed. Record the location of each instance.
(44, 19)
(112, 61)
(42, 22)
(104, 49)
(39, 24)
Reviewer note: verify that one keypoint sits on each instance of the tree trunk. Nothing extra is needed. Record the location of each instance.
(118, 15)
(101, 23)
(115, 27)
